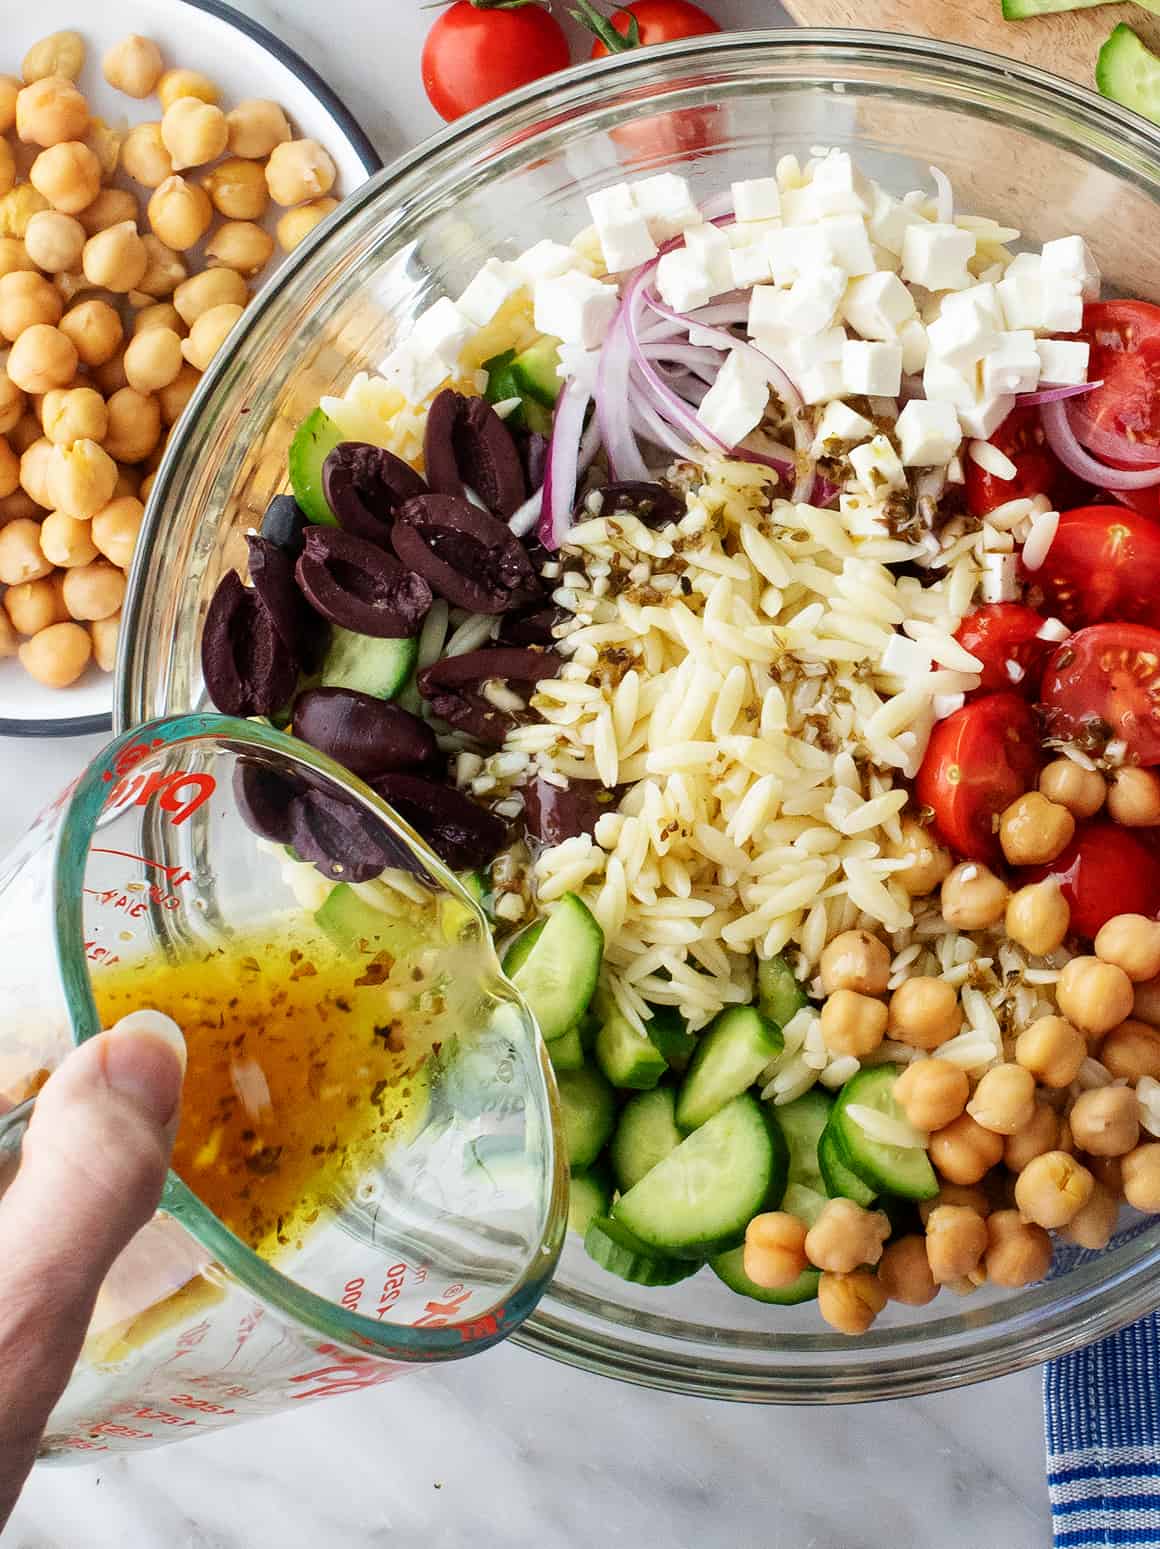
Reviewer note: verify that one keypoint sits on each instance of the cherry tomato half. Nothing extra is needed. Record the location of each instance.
(1104, 683)
(659, 21)
(1125, 353)
(1005, 638)
(472, 56)
(1037, 470)
(977, 762)
(1104, 563)
(1105, 871)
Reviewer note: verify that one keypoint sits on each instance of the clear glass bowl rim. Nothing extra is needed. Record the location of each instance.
(650, 1350)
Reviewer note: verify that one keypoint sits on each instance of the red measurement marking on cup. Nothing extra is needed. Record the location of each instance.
(96, 953)
(438, 1314)
(178, 794)
(200, 1406)
(176, 874)
(161, 1417)
(83, 1444)
(349, 1374)
(112, 1428)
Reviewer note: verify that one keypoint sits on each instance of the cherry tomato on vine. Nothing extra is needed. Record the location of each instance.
(481, 49)
(1005, 638)
(657, 21)
(977, 762)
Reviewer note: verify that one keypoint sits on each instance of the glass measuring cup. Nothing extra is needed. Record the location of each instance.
(173, 874)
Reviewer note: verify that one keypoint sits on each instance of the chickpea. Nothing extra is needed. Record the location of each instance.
(133, 66)
(256, 127)
(26, 430)
(161, 314)
(7, 167)
(238, 189)
(775, 1252)
(1131, 1050)
(147, 486)
(964, 1151)
(175, 84)
(61, 53)
(924, 1012)
(1039, 1134)
(1092, 1227)
(1081, 791)
(1108, 1171)
(174, 398)
(9, 470)
(855, 960)
(212, 288)
(35, 605)
(110, 378)
(845, 1235)
(51, 111)
(932, 1093)
(1146, 1002)
(1052, 1050)
(109, 208)
(208, 335)
(12, 402)
(14, 255)
(104, 634)
(134, 425)
(54, 241)
(971, 1197)
(94, 327)
(20, 556)
(193, 132)
(94, 591)
(42, 358)
(180, 213)
(1106, 1121)
(58, 655)
(67, 542)
(72, 414)
(80, 480)
(904, 1272)
(850, 1303)
(851, 1023)
(1053, 1188)
(956, 1239)
(1131, 942)
(1004, 1099)
(240, 245)
(299, 170)
(26, 299)
(1033, 830)
(153, 461)
(1141, 1173)
(153, 360)
(34, 463)
(973, 897)
(1018, 1253)
(144, 156)
(9, 91)
(1134, 798)
(9, 643)
(116, 259)
(1094, 996)
(68, 175)
(1038, 916)
(164, 271)
(295, 226)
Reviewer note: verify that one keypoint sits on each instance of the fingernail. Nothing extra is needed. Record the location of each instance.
(144, 1060)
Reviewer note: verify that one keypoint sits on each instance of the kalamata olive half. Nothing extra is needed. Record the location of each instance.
(467, 445)
(265, 800)
(247, 666)
(284, 524)
(367, 735)
(467, 556)
(301, 630)
(652, 504)
(461, 833)
(530, 626)
(364, 485)
(485, 693)
(553, 814)
(344, 842)
(361, 587)
(534, 456)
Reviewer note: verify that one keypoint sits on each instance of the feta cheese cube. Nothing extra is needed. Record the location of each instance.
(832, 190)
(786, 251)
(710, 247)
(820, 383)
(819, 349)
(742, 233)
(442, 330)
(839, 423)
(1012, 366)
(936, 255)
(749, 265)
(737, 400)
(546, 260)
(756, 199)
(575, 308)
(1062, 304)
(943, 384)
(960, 338)
(999, 581)
(982, 418)
(981, 301)
(876, 465)
(683, 283)
(415, 373)
(1071, 258)
(890, 220)
(495, 284)
(928, 433)
(877, 305)
(840, 240)
(812, 299)
(912, 337)
(767, 313)
(611, 204)
(624, 236)
(869, 366)
(667, 204)
(1021, 292)
(904, 658)
(1063, 361)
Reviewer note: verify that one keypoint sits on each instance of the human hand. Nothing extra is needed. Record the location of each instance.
(91, 1172)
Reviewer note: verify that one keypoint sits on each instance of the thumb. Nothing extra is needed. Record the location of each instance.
(92, 1168)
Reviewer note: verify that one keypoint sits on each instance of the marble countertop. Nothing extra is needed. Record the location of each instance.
(510, 1451)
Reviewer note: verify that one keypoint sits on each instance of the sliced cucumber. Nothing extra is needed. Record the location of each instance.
(802, 1123)
(627, 1056)
(700, 1199)
(802, 1201)
(376, 667)
(588, 1109)
(503, 386)
(534, 372)
(887, 1169)
(1020, 10)
(557, 971)
(359, 929)
(729, 1059)
(779, 995)
(313, 442)
(666, 1027)
(567, 1053)
(1128, 72)
(516, 953)
(645, 1134)
(590, 1194)
(617, 1250)
(730, 1268)
(841, 1182)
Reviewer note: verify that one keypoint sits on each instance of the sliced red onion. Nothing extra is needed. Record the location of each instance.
(1062, 441)
(693, 355)
(1107, 443)
(775, 376)
(624, 459)
(559, 492)
(589, 444)
(648, 423)
(945, 198)
(1051, 394)
(826, 492)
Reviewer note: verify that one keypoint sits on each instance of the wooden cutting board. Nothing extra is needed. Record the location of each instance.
(1066, 45)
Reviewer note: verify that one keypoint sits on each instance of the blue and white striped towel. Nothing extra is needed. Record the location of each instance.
(1102, 1410)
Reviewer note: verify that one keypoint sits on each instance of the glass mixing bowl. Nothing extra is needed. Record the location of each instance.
(1024, 147)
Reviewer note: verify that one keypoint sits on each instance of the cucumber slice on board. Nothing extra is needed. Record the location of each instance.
(699, 1200)
(666, 1027)
(1020, 10)
(590, 1194)
(779, 995)
(645, 1134)
(1128, 72)
(729, 1059)
(841, 1181)
(377, 667)
(615, 1249)
(887, 1169)
(567, 1053)
(802, 1123)
(556, 971)
(313, 442)
(588, 1109)
(730, 1268)
(627, 1056)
